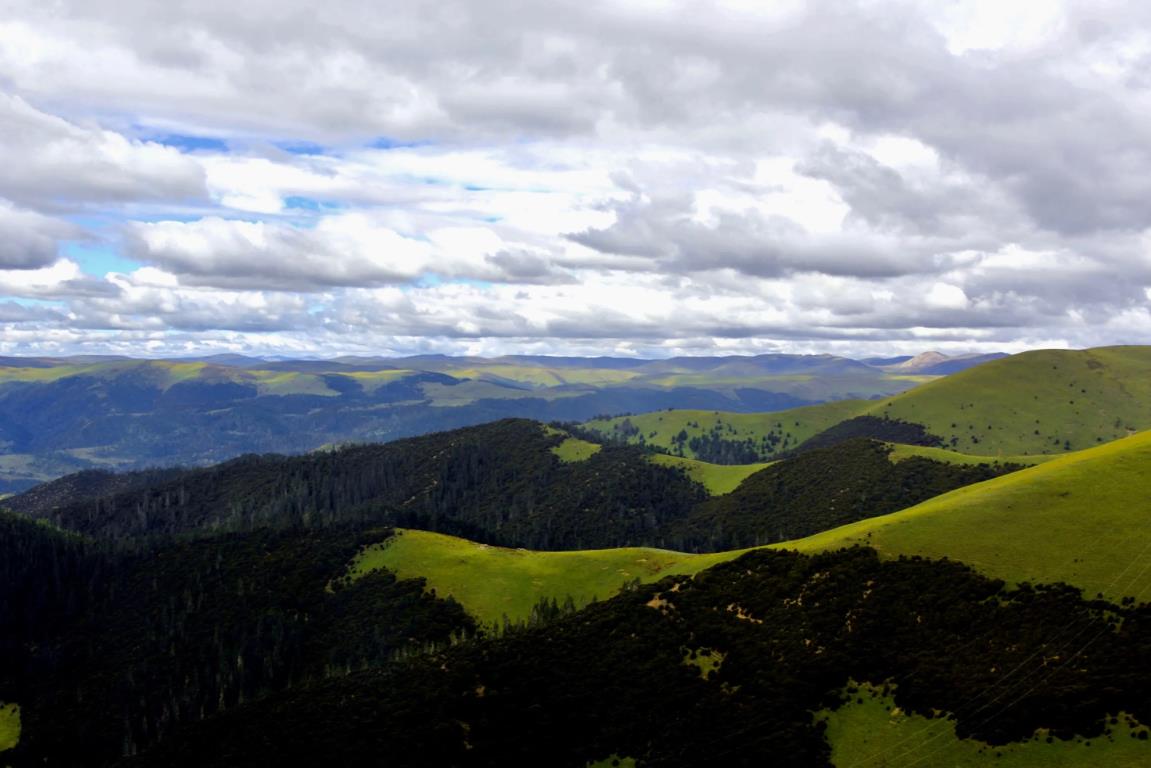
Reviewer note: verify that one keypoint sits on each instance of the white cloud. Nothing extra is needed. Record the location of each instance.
(29, 240)
(946, 296)
(574, 175)
(49, 161)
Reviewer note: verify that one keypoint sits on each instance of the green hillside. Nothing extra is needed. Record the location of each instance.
(763, 434)
(9, 726)
(1048, 401)
(718, 479)
(899, 452)
(492, 583)
(1034, 403)
(1082, 518)
(871, 731)
(60, 415)
(574, 449)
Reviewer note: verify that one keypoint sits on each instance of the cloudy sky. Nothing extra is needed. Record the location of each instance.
(573, 176)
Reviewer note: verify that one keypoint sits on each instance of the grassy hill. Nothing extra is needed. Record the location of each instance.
(1034, 403)
(899, 452)
(761, 434)
(718, 479)
(1048, 401)
(9, 726)
(493, 583)
(1082, 518)
(814, 489)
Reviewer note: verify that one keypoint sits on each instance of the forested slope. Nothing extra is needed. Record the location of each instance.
(727, 668)
(106, 652)
(499, 482)
(506, 483)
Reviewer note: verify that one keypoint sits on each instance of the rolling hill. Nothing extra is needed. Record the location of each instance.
(1037, 402)
(495, 584)
(293, 606)
(1083, 518)
(1042, 402)
(726, 438)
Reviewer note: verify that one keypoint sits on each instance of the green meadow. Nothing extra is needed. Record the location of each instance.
(492, 583)
(1083, 518)
(1080, 518)
(718, 479)
(1048, 401)
(574, 449)
(870, 731)
(659, 428)
(899, 452)
(1035, 403)
(9, 726)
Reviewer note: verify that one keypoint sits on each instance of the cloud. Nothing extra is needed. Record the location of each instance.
(669, 237)
(63, 279)
(573, 174)
(52, 162)
(352, 249)
(29, 240)
(256, 254)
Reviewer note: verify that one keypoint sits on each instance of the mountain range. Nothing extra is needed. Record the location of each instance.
(60, 415)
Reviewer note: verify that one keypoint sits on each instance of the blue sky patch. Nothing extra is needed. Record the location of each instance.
(301, 147)
(98, 259)
(301, 203)
(191, 143)
(383, 142)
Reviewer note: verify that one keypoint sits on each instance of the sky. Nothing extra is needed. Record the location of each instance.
(643, 178)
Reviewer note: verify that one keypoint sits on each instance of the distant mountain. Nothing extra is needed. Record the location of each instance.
(879, 362)
(939, 364)
(62, 415)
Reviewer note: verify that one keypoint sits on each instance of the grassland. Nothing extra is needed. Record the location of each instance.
(574, 449)
(872, 732)
(1079, 518)
(1082, 518)
(900, 452)
(1035, 403)
(718, 479)
(370, 381)
(660, 428)
(9, 726)
(494, 582)
(1048, 401)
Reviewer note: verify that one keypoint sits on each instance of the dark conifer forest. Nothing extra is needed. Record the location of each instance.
(792, 632)
(205, 618)
(500, 483)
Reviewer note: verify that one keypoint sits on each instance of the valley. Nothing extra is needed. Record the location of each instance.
(861, 600)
